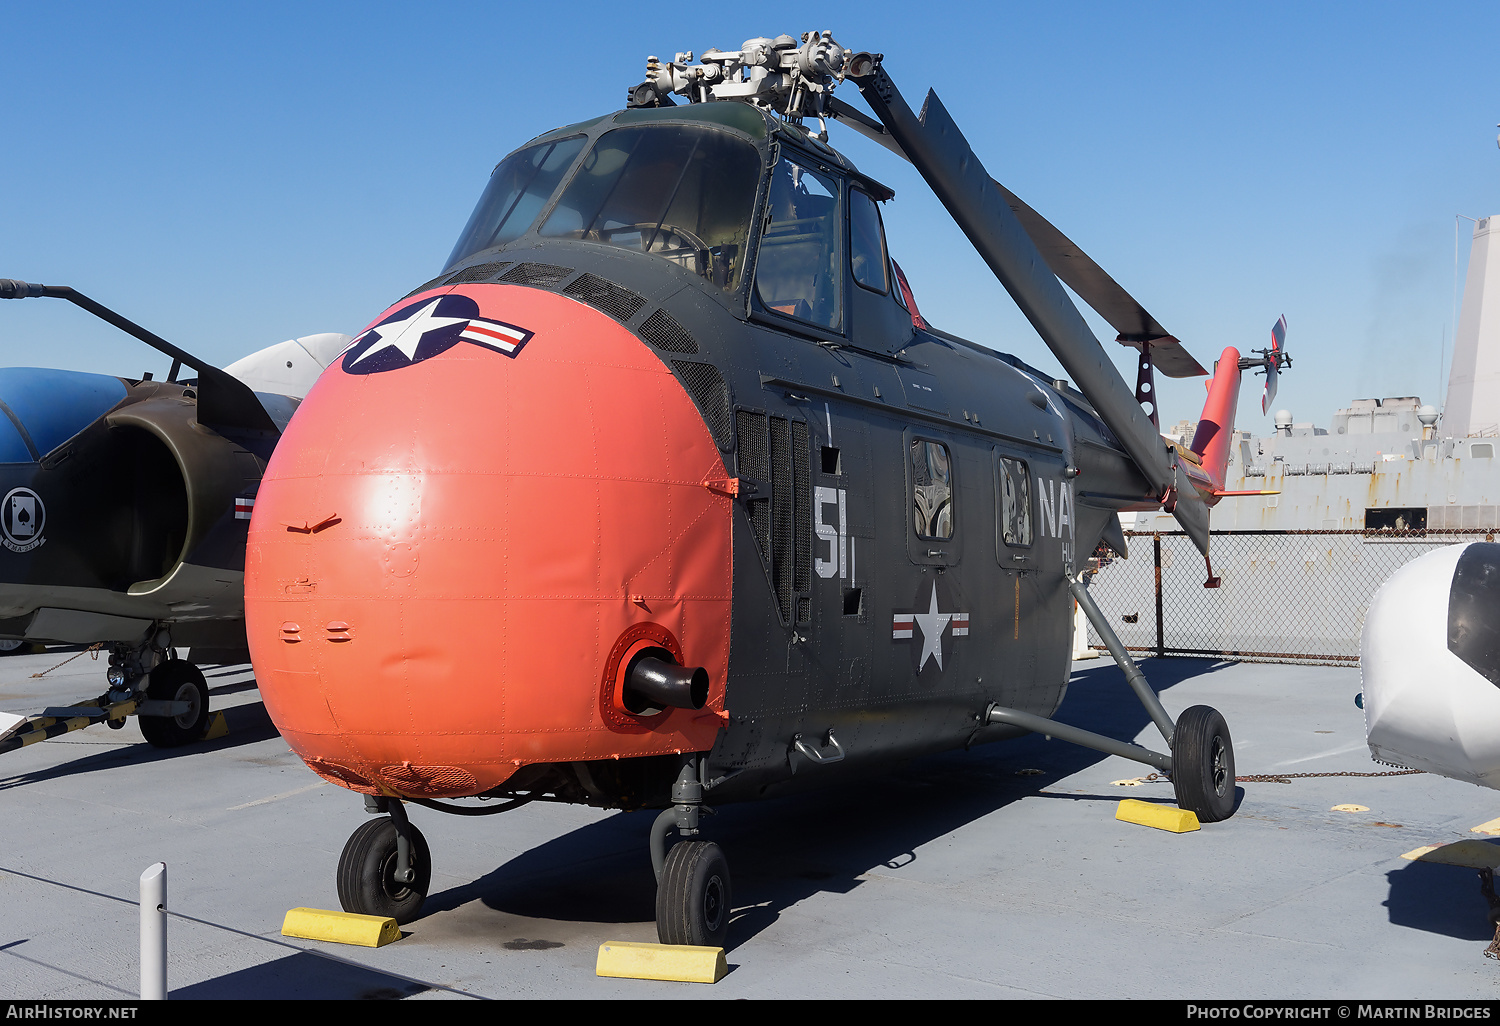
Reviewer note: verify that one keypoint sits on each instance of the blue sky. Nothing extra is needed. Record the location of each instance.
(230, 175)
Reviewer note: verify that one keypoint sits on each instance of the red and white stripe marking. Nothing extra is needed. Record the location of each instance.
(242, 508)
(901, 625)
(960, 624)
(494, 334)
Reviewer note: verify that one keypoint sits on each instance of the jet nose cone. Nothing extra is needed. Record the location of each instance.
(1431, 668)
(470, 513)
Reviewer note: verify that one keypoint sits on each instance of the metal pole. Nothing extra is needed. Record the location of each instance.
(154, 933)
(1078, 736)
(1161, 648)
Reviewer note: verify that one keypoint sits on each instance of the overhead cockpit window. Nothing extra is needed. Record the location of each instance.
(932, 490)
(866, 242)
(518, 188)
(679, 192)
(798, 271)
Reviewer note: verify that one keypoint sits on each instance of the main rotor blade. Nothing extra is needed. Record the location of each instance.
(1070, 263)
(944, 159)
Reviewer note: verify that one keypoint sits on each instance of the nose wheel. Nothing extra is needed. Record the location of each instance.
(692, 896)
(177, 680)
(369, 876)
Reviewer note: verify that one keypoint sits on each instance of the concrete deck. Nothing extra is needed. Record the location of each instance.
(967, 875)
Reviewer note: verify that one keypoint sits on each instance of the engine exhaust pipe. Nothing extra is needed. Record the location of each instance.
(655, 683)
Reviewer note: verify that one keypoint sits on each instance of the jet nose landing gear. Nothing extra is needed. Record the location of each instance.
(178, 681)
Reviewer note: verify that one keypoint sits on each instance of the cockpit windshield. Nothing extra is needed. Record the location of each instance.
(680, 192)
(518, 187)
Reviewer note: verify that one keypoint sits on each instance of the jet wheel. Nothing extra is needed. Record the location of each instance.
(177, 681)
(692, 897)
(367, 881)
(1203, 764)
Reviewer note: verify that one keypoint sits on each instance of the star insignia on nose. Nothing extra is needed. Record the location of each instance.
(405, 334)
(427, 328)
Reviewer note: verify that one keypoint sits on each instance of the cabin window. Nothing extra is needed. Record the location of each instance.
(519, 186)
(1015, 502)
(799, 271)
(867, 257)
(680, 192)
(900, 296)
(932, 490)
(1395, 518)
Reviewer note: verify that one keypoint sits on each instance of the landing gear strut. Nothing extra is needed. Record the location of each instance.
(1202, 759)
(692, 880)
(175, 687)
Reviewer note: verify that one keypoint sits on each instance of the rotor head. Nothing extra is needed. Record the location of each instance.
(794, 79)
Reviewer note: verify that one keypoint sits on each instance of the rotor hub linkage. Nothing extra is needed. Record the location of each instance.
(794, 79)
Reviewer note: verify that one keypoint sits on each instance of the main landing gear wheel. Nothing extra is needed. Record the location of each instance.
(692, 897)
(177, 680)
(1203, 764)
(367, 873)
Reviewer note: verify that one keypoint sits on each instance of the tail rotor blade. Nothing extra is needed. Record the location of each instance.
(1273, 364)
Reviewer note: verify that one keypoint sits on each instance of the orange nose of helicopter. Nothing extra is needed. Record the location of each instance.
(478, 520)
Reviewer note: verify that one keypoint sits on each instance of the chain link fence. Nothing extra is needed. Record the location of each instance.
(1286, 596)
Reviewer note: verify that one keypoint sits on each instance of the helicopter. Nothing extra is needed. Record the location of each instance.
(125, 507)
(664, 494)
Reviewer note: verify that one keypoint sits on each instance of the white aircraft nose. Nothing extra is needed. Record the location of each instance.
(1428, 659)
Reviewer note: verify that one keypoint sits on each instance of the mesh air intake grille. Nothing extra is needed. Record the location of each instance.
(479, 272)
(620, 303)
(783, 534)
(434, 283)
(802, 519)
(662, 331)
(706, 385)
(541, 276)
(754, 462)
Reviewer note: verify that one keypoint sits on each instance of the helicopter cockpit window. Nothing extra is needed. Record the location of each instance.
(900, 296)
(932, 490)
(680, 192)
(866, 242)
(518, 187)
(798, 272)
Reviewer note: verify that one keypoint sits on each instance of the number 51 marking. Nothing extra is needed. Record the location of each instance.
(837, 537)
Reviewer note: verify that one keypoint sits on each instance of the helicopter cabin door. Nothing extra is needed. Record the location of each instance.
(1033, 539)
